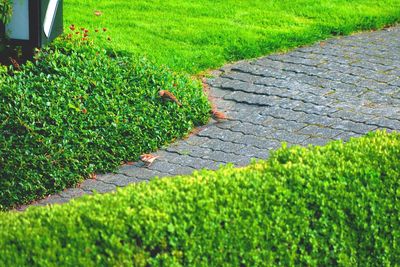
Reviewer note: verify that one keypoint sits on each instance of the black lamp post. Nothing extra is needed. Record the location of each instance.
(34, 23)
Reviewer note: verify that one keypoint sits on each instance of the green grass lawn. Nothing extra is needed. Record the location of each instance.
(198, 35)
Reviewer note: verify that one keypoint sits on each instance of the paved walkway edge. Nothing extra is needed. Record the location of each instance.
(333, 90)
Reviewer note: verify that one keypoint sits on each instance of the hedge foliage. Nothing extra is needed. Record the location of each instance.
(316, 206)
(78, 109)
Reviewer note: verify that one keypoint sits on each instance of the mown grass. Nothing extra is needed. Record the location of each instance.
(197, 35)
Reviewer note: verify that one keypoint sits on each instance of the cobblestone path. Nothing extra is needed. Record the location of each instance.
(336, 89)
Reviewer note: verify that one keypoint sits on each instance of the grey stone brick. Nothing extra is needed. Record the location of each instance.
(119, 180)
(319, 131)
(72, 193)
(141, 173)
(96, 185)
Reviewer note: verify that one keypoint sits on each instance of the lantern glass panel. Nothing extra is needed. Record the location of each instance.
(18, 28)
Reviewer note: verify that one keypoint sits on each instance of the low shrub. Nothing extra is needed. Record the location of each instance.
(316, 206)
(78, 109)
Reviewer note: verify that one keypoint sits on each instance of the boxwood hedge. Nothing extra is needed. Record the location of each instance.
(78, 109)
(316, 206)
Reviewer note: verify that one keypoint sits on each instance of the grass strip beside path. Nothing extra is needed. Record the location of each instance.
(198, 35)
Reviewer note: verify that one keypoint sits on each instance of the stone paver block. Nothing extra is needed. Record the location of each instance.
(119, 180)
(141, 173)
(229, 147)
(72, 193)
(196, 163)
(317, 141)
(92, 185)
(320, 131)
(54, 199)
(355, 127)
(165, 167)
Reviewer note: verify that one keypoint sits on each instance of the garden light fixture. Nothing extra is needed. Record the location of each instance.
(33, 23)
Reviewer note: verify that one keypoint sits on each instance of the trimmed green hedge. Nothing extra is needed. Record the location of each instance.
(316, 206)
(78, 109)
